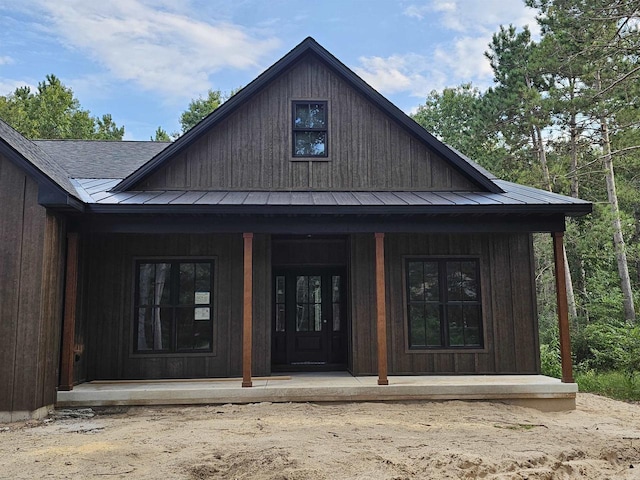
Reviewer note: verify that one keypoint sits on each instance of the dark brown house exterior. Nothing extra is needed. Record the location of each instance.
(294, 228)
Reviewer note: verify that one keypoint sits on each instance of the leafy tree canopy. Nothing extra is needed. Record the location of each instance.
(53, 112)
(201, 107)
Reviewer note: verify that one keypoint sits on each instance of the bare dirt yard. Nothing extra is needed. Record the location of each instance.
(601, 439)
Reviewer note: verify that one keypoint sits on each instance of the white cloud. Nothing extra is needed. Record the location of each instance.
(401, 73)
(6, 60)
(465, 58)
(9, 85)
(468, 16)
(455, 61)
(157, 44)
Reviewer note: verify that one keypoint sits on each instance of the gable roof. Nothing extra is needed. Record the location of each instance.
(39, 165)
(100, 158)
(469, 169)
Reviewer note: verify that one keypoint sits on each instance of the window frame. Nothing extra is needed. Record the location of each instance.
(444, 347)
(213, 308)
(294, 129)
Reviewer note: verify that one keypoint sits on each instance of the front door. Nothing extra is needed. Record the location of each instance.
(309, 319)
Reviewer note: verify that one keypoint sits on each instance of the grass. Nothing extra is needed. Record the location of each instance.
(618, 385)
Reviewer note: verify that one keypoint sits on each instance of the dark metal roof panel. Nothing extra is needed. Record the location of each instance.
(323, 198)
(187, 198)
(516, 197)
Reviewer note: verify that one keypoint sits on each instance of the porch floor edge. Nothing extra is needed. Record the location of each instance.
(323, 387)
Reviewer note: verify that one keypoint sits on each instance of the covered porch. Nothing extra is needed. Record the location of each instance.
(536, 391)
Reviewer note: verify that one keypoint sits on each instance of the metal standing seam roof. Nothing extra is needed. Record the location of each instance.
(97, 193)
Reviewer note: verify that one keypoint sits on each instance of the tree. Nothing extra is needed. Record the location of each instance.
(52, 112)
(600, 40)
(201, 107)
(456, 116)
(161, 135)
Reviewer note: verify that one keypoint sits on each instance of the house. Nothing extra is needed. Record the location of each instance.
(307, 224)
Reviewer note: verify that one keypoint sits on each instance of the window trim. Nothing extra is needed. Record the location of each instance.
(293, 130)
(131, 341)
(483, 348)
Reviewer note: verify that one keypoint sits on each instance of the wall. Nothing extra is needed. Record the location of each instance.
(251, 149)
(508, 304)
(108, 286)
(31, 275)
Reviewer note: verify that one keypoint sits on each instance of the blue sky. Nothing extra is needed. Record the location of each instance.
(143, 60)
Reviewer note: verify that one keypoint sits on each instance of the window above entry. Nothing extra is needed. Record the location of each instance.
(310, 129)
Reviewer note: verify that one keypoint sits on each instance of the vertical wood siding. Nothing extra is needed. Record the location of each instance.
(508, 304)
(108, 283)
(31, 271)
(251, 149)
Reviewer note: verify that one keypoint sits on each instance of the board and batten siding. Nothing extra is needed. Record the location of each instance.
(251, 149)
(508, 305)
(32, 243)
(108, 286)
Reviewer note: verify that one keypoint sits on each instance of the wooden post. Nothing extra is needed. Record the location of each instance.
(247, 310)
(69, 321)
(563, 309)
(381, 308)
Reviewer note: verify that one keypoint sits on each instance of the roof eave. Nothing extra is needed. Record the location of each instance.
(50, 194)
(573, 210)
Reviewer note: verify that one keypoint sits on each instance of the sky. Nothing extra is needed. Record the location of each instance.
(142, 61)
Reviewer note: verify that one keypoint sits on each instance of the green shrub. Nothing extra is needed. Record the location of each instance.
(550, 360)
(606, 347)
(618, 385)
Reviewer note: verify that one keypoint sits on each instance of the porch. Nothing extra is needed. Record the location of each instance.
(537, 391)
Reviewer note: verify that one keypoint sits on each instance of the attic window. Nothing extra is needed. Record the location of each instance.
(309, 129)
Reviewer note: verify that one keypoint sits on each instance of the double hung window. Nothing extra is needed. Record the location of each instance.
(309, 129)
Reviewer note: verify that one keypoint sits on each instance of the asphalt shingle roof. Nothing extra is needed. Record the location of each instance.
(100, 159)
(38, 158)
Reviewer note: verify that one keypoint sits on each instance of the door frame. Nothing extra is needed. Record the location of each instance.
(285, 361)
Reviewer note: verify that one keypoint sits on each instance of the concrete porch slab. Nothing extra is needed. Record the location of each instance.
(538, 391)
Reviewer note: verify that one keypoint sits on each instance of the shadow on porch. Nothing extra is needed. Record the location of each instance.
(537, 391)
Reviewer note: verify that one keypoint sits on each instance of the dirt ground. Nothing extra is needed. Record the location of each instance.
(601, 439)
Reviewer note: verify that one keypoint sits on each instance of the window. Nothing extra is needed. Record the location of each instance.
(173, 306)
(443, 303)
(309, 129)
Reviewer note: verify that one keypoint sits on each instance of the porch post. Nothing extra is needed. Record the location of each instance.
(247, 310)
(69, 320)
(381, 309)
(563, 309)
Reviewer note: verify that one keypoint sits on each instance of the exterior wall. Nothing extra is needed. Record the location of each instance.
(507, 289)
(251, 149)
(108, 286)
(508, 305)
(31, 276)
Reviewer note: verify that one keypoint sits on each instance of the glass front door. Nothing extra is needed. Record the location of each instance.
(309, 325)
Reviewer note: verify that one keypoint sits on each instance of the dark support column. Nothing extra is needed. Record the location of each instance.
(247, 310)
(563, 309)
(69, 321)
(381, 308)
